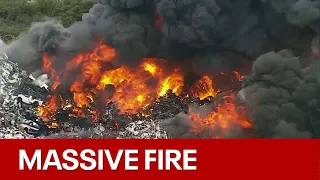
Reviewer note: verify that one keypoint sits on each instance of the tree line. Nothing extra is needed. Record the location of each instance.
(17, 15)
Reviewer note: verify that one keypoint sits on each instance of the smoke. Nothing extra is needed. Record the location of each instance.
(126, 30)
(184, 126)
(281, 98)
(189, 21)
(299, 12)
(3, 46)
(285, 130)
(223, 34)
(42, 38)
(179, 126)
(226, 34)
(278, 94)
(210, 36)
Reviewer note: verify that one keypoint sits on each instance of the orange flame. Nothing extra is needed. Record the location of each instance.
(90, 66)
(47, 113)
(152, 68)
(204, 88)
(47, 66)
(134, 89)
(101, 53)
(132, 93)
(225, 115)
(173, 82)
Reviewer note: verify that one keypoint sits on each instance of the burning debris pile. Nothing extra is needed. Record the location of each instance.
(63, 115)
(170, 69)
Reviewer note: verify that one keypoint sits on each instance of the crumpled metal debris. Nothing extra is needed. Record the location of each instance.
(97, 132)
(17, 112)
(19, 119)
(10, 78)
(136, 130)
(147, 129)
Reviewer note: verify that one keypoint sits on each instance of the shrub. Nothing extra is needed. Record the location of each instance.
(17, 15)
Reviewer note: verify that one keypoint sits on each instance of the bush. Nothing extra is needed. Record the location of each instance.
(17, 15)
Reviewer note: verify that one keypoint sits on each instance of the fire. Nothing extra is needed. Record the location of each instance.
(92, 82)
(150, 67)
(47, 112)
(114, 77)
(238, 75)
(133, 90)
(173, 82)
(101, 53)
(204, 88)
(226, 114)
(47, 66)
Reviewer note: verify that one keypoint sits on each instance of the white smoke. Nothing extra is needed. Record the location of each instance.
(3, 47)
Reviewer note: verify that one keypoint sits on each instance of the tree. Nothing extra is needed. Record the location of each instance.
(17, 15)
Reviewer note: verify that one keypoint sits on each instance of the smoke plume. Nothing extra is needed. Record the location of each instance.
(183, 126)
(231, 31)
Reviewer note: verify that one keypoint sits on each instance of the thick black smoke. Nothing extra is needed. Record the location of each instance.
(128, 31)
(241, 29)
(42, 38)
(282, 97)
(272, 99)
(210, 36)
(221, 34)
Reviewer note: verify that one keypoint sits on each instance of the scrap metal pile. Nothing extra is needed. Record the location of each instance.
(22, 97)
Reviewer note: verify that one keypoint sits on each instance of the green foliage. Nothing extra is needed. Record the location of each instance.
(17, 15)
